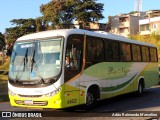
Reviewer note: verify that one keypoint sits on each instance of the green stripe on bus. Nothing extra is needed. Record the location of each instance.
(114, 88)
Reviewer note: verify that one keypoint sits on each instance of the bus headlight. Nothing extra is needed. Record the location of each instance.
(11, 93)
(53, 93)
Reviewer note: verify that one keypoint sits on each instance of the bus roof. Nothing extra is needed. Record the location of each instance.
(67, 32)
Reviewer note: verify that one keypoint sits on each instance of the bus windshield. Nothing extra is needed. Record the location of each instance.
(36, 60)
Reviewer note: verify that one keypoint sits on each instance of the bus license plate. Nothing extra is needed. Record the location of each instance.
(28, 102)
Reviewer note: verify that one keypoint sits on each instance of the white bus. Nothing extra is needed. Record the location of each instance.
(69, 67)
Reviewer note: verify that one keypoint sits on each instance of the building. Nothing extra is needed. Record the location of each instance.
(151, 23)
(125, 24)
(152, 13)
(149, 26)
(93, 26)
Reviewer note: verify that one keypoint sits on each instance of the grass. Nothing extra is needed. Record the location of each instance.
(3, 88)
(5, 66)
(3, 81)
(3, 77)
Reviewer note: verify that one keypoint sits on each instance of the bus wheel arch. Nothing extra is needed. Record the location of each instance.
(92, 96)
(140, 86)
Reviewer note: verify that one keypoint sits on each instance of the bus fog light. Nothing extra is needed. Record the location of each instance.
(53, 93)
(11, 93)
(57, 101)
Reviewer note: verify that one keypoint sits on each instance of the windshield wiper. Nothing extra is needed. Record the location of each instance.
(32, 61)
(16, 79)
(25, 60)
(15, 54)
(41, 79)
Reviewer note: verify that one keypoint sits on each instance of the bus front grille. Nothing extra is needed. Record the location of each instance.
(35, 103)
(30, 96)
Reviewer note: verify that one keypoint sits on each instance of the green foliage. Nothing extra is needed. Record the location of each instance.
(24, 22)
(133, 12)
(41, 25)
(88, 11)
(23, 26)
(2, 41)
(3, 78)
(3, 82)
(62, 13)
(5, 66)
(58, 13)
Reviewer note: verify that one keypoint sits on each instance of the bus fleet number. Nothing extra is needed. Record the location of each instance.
(71, 101)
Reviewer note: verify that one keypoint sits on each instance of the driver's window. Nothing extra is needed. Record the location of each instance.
(73, 57)
(74, 54)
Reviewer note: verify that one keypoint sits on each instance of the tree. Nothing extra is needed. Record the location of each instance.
(23, 26)
(88, 11)
(60, 14)
(133, 12)
(41, 25)
(2, 41)
(2, 47)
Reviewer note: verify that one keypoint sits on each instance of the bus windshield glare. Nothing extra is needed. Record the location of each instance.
(36, 60)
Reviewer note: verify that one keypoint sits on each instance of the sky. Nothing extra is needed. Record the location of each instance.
(17, 9)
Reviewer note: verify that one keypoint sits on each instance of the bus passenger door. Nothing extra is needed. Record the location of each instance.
(73, 66)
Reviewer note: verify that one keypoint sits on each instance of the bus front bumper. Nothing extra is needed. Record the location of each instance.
(40, 101)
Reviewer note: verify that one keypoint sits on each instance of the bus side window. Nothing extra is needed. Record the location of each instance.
(125, 52)
(112, 50)
(145, 54)
(136, 53)
(94, 50)
(153, 54)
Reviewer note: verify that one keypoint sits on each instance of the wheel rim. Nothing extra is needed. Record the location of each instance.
(90, 99)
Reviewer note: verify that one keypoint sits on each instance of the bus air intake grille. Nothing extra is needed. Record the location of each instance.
(35, 103)
(30, 96)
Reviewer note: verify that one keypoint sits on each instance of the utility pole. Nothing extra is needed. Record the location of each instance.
(138, 5)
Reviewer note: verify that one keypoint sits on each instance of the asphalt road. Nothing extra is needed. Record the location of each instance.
(124, 107)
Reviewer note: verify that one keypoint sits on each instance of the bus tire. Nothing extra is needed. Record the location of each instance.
(140, 90)
(92, 98)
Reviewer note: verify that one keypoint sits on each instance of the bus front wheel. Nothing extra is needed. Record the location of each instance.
(90, 100)
(92, 97)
